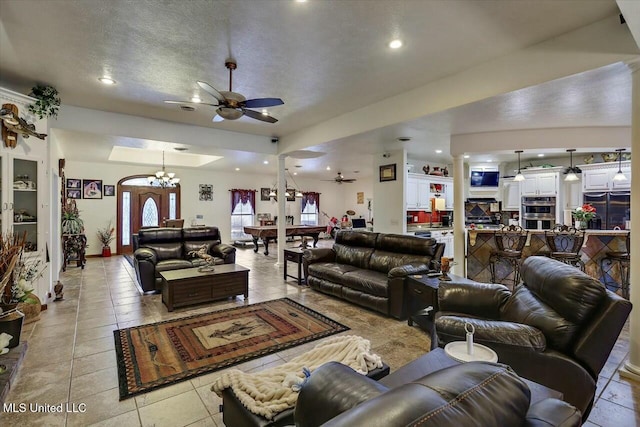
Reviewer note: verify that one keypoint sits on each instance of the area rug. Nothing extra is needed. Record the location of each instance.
(160, 354)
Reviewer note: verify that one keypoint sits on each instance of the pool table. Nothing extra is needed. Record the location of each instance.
(270, 232)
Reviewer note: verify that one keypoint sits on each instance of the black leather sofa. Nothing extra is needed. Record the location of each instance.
(469, 394)
(557, 328)
(369, 269)
(163, 249)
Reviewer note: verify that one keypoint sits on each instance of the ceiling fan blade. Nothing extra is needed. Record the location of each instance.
(261, 102)
(259, 116)
(348, 180)
(191, 102)
(212, 91)
(216, 118)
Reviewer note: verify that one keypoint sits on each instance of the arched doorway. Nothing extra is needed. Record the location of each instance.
(143, 205)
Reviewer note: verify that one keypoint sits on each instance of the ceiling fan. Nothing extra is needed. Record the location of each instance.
(232, 105)
(339, 179)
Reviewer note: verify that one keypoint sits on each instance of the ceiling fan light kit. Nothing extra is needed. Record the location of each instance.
(232, 105)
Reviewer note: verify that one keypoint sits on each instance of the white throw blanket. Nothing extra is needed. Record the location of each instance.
(271, 391)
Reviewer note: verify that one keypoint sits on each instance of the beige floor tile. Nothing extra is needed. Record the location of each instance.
(83, 325)
(92, 383)
(100, 407)
(211, 400)
(207, 422)
(93, 346)
(87, 364)
(95, 333)
(25, 391)
(164, 413)
(608, 414)
(128, 419)
(163, 393)
(35, 419)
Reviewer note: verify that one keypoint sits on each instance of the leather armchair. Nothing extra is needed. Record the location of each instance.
(557, 328)
(470, 394)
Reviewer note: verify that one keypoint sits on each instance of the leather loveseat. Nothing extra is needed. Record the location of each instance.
(369, 269)
(557, 328)
(470, 394)
(163, 249)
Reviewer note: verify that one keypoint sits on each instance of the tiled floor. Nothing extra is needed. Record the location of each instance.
(71, 355)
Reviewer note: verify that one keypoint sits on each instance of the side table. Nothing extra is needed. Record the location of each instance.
(293, 255)
(73, 248)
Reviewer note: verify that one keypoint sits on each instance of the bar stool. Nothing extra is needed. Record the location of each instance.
(623, 259)
(565, 243)
(510, 241)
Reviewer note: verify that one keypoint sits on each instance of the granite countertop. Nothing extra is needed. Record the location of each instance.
(491, 230)
(427, 227)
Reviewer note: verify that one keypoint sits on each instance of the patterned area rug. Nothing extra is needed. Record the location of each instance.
(161, 354)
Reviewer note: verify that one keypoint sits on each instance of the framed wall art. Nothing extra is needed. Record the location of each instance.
(292, 195)
(109, 190)
(72, 193)
(92, 189)
(73, 183)
(388, 172)
(206, 192)
(264, 194)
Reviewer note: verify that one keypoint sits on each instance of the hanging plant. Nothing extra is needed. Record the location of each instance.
(47, 103)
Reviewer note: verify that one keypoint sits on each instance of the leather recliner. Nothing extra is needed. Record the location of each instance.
(465, 395)
(557, 328)
(163, 249)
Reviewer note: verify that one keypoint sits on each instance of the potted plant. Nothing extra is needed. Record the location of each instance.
(582, 215)
(71, 222)
(105, 235)
(47, 102)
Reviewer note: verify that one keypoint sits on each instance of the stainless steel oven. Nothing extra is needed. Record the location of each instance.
(539, 213)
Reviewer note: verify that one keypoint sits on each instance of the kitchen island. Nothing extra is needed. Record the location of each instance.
(597, 243)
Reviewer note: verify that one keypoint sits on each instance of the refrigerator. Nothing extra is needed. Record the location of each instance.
(613, 209)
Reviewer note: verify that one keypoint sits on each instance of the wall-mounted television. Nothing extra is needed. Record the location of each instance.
(484, 178)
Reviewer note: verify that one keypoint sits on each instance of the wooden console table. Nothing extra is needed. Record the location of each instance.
(73, 248)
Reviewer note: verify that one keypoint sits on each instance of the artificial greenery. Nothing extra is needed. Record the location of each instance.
(105, 235)
(71, 221)
(47, 103)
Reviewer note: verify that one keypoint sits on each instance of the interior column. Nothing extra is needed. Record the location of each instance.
(282, 219)
(631, 368)
(459, 236)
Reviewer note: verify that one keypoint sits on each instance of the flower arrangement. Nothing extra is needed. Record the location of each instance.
(584, 213)
(25, 274)
(105, 235)
(47, 103)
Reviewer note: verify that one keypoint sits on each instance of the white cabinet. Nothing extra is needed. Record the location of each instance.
(412, 192)
(511, 195)
(446, 237)
(442, 187)
(540, 184)
(424, 195)
(574, 194)
(417, 193)
(599, 176)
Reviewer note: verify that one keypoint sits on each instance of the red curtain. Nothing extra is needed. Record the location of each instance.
(243, 196)
(312, 198)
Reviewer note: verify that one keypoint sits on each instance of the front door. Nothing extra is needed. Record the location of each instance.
(143, 206)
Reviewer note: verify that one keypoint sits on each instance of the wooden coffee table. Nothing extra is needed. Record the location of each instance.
(189, 286)
(437, 359)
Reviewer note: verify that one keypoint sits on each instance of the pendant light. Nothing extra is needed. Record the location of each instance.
(519, 177)
(619, 176)
(571, 172)
(162, 178)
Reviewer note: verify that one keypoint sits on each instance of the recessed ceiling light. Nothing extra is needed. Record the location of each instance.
(266, 162)
(107, 80)
(295, 173)
(237, 169)
(541, 155)
(196, 99)
(395, 44)
(466, 156)
(328, 168)
(301, 1)
(264, 112)
(438, 151)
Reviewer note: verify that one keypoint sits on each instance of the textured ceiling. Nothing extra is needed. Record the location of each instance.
(322, 58)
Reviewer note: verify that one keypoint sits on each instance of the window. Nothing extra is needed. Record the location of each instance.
(241, 216)
(126, 218)
(150, 213)
(172, 205)
(310, 206)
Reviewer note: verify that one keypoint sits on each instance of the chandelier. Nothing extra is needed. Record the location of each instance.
(163, 179)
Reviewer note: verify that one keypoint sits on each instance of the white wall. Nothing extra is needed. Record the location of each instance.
(97, 213)
(389, 196)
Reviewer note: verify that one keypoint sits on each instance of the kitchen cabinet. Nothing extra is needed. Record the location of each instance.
(599, 176)
(574, 193)
(443, 187)
(446, 237)
(418, 196)
(540, 184)
(412, 192)
(510, 195)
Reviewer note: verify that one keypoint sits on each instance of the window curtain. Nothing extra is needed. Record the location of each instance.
(243, 196)
(310, 198)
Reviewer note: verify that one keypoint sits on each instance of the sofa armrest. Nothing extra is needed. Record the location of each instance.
(146, 254)
(224, 251)
(332, 389)
(313, 255)
(405, 270)
(495, 334)
(474, 298)
(553, 412)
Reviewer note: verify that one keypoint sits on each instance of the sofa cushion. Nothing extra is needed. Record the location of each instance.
(201, 233)
(173, 264)
(367, 281)
(384, 261)
(524, 307)
(355, 256)
(571, 293)
(159, 235)
(191, 246)
(331, 271)
(412, 245)
(166, 251)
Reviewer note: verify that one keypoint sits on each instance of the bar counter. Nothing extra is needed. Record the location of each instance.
(597, 243)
